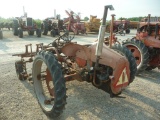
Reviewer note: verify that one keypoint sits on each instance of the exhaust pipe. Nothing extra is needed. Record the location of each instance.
(101, 35)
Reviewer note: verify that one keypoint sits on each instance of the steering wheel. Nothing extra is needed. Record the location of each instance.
(67, 36)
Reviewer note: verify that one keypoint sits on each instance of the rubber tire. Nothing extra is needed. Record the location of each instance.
(38, 32)
(58, 80)
(53, 33)
(20, 33)
(132, 62)
(15, 27)
(19, 69)
(127, 31)
(1, 35)
(45, 28)
(142, 49)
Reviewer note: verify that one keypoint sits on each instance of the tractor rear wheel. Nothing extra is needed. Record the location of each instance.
(132, 62)
(139, 51)
(127, 31)
(20, 33)
(1, 35)
(38, 32)
(44, 28)
(53, 33)
(106, 86)
(15, 27)
(49, 84)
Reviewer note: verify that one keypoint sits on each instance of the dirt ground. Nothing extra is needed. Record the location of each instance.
(140, 101)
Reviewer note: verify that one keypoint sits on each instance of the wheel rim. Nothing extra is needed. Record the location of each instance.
(44, 88)
(136, 53)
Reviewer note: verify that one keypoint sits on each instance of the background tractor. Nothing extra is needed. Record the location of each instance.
(53, 25)
(120, 26)
(110, 68)
(145, 46)
(24, 23)
(74, 24)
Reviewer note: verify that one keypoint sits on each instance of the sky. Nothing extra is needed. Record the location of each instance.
(41, 9)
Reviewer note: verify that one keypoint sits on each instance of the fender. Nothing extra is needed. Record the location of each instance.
(109, 57)
(120, 65)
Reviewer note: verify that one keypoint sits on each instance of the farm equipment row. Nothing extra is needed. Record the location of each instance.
(107, 65)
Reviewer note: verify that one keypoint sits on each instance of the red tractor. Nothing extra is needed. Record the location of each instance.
(53, 25)
(24, 23)
(109, 68)
(120, 26)
(145, 46)
(73, 23)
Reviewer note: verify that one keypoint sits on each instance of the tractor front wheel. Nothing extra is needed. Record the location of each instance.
(49, 84)
(139, 51)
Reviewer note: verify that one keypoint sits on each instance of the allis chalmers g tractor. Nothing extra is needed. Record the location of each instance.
(73, 23)
(63, 60)
(53, 25)
(24, 23)
(146, 45)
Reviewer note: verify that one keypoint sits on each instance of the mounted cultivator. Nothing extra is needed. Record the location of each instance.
(146, 45)
(63, 60)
